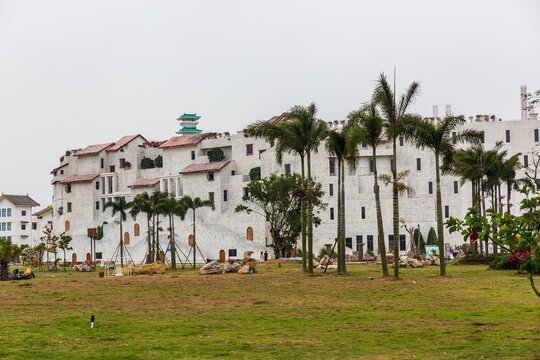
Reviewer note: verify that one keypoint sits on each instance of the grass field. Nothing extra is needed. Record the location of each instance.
(279, 313)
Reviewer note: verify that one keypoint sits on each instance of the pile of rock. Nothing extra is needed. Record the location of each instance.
(249, 264)
(211, 268)
(432, 260)
(157, 267)
(409, 262)
(84, 268)
(232, 266)
(324, 261)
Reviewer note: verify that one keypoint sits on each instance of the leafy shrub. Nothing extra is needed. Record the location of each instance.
(147, 163)
(255, 173)
(499, 262)
(476, 259)
(215, 155)
(432, 237)
(158, 161)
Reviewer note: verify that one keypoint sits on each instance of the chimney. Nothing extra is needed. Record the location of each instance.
(524, 103)
(435, 111)
(448, 110)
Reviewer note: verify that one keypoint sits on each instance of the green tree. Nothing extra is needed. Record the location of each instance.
(172, 207)
(215, 155)
(158, 161)
(394, 113)
(255, 173)
(147, 163)
(51, 241)
(276, 198)
(337, 144)
(63, 244)
(369, 130)
(440, 137)
(40, 249)
(432, 238)
(8, 251)
(194, 204)
(143, 204)
(120, 206)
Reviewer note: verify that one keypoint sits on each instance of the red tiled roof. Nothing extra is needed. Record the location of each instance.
(59, 167)
(93, 149)
(79, 178)
(144, 182)
(184, 140)
(196, 168)
(124, 141)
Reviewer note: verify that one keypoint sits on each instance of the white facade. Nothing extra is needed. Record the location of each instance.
(16, 219)
(86, 179)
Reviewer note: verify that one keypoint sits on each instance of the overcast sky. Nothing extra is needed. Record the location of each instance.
(75, 73)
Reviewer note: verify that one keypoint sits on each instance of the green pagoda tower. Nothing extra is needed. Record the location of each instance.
(188, 124)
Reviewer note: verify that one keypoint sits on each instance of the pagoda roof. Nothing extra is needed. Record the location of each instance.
(197, 168)
(185, 140)
(19, 200)
(79, 178)
(189, 116)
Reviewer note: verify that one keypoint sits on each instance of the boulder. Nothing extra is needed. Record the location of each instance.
(245, 269)
(157, 267)
(232, 267)
(211, 268)
(251, 262)
(415, 263)
(333, 266)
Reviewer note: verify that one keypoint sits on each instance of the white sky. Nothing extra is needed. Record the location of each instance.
(75, 73)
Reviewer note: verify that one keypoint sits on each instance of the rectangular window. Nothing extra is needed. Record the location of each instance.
(348, 242)
(260, 152)
(418, 164)
(249, 149)
(233, 172)
(3, 226)
(359, 242)
(456, 187)
(371, 166)
(363, 212)
(401, 141)
(331, 213)
(111, 168)
(402, 243)
(536, 135)
(430, 187)
(507, 136)
(224, 195)
(97, 185)
(68, 207)
(9, 212)
(210, 176)
(446, 211)
(331, 190)
(23, 213)
(122, 163)
(454, 139)
(34, 226)
(99, 256)
(390, 242)
(97, 205)
(68, 188)
(102, 163)
(61, 172)
(370, 242)
(232, 252)
(23, 226)
(391, 164)
(526, 160)
(287, 169)
(483, 136)
(332, 164)
(9, 226)
(192, 154)
(211, 196)
(3, 212)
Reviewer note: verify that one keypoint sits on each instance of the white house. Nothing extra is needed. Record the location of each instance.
(16, 218)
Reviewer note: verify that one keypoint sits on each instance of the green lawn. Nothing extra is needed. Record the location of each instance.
(279, 313)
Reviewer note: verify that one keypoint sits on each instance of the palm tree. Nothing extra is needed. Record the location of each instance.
(394, 114)
(301, 134)
(194, 204)
(171, 207)
(508, 176)
(8, 251)
(337, 144)
(154, 200)
(369, 130)
(120, 206)
(143, 204)
(437, 136)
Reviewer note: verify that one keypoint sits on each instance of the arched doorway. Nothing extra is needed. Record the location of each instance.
(222, 256)
(190, 240)
(67, 225)
(136, 230)
(88, 257)
(126, 238)
(74, 259)
(249, 233)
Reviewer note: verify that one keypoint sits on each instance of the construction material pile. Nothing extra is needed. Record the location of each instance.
(232, 265)
(157, 267)
(249, 264)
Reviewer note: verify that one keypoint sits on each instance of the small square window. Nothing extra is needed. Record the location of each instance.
(34, 226)
(111, 168)
(23, 226)
(61, 172)
(99, 256)
(210, 176)
(23, 213)
(232, 253)
(249, 149)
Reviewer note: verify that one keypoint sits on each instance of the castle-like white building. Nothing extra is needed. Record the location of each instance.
(87, 178)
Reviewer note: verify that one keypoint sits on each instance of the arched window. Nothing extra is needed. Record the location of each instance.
(136, 230)
(67, 225)
(190, 240)
(73, 259)
(249, 233)
(126, 238)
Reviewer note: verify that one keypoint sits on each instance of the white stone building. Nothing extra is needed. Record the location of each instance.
(85, 179)
(16, 218)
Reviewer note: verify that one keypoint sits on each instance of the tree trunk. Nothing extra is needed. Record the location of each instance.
(440, 229)
(173, 250)
(121, 244)
(4, 272)
(338, 237)
(395, 198)
(303, 217)
(343, 226)
(380, 229)
(508, 196)
(149, 257)
(194, 242)
(309, 217)
(64, 260)
(158, 255)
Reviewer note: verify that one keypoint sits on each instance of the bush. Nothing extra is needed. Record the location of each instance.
(215, 155)
(255, 173)
(147, 163)
(499, 262)
(476, 259)
(158, 161)
(432, 237)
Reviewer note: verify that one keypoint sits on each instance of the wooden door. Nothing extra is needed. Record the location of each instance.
(88, 257)
(222, 256)
(73, 259)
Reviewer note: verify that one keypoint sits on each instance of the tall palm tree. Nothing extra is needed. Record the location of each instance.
(154, 200)
(194, 204)
(172, 207)
(301, 134)
(143, 204)
(338, 146)
(120, 206)
(368, 129)
(437, 136)
(508, 176)
(394, 114)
